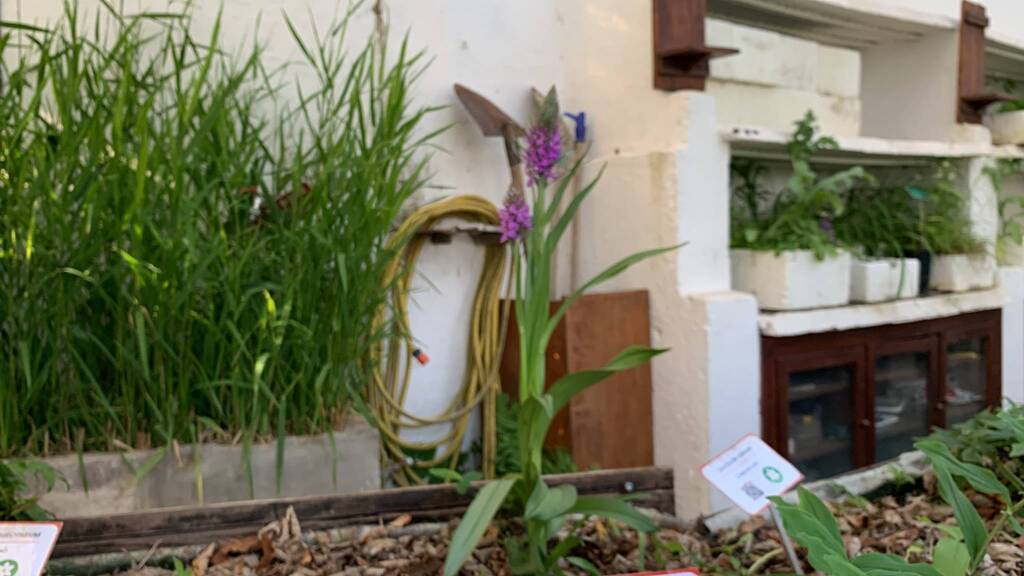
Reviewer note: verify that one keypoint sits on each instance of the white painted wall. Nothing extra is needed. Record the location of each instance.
(1005, 20)
(785, 76)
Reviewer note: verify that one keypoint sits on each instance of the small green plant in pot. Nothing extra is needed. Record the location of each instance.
(1007, 123)
(959, 261)
(873, 228)
(784, 248)
(532, 226)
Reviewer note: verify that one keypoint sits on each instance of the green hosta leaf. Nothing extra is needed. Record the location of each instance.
(982, 479)
(951, 558)
(890, 564)
(806, 523)
(615, 509)
(570, 385)
(478, 516)
(816, 508)
(967, 517)
(547, 503)
(1017, 450)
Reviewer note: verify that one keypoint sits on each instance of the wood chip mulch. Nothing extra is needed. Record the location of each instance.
(907, 525)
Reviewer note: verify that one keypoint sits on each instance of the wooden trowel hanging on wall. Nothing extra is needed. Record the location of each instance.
(494, 122)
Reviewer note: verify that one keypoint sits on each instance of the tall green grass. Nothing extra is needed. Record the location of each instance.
(143, 298)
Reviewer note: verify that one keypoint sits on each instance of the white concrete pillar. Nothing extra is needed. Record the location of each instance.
(1011, 279)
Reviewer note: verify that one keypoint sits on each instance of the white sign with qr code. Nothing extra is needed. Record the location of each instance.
(749, 472)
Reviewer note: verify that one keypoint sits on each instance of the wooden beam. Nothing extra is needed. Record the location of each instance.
(201, 524)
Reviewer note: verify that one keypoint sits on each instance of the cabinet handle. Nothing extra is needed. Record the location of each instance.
(866, 423)
(940, 405)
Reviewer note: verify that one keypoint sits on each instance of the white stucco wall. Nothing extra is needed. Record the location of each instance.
(785, 76)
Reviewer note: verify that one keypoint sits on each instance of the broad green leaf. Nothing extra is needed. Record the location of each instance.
(804, 527)
(563, 390)
(967, 517)
(873, 563)
(547, 503)
(445, 474)
(951, 558)
(615, 509)
(839, 565)
(817, 509)
(982, 479)
(478, 516)
(608, 273)
(462, 486)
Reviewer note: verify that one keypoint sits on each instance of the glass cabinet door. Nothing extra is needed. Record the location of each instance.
(901, 402)
(821, 417)
(966, 379)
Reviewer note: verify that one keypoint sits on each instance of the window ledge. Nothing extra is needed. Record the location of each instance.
(799, 322)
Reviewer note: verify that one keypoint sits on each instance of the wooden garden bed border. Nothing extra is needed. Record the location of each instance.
(200, 524)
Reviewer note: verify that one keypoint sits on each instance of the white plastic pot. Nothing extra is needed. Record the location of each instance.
(884, 279)
(791, 280)
(1006, 127)
(962, 272)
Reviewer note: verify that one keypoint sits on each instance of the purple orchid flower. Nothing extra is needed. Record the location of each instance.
(543, 151)
(514, 217)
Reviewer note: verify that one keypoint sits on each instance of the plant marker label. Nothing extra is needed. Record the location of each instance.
(25, 547)
(749, 471)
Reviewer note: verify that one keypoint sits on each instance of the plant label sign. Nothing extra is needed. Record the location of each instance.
(749, 471)
(26, 546)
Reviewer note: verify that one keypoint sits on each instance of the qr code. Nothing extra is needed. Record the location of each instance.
(753, 491)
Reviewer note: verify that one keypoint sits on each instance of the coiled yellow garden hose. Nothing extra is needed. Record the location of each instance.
(395, 357)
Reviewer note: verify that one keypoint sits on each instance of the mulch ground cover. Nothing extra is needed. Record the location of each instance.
(907, 523)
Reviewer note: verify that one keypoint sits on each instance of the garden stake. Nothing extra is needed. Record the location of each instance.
(493, 121)
(786, 542)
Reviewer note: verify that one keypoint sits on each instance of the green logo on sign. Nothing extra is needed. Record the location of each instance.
(8, 568)
(770, 472)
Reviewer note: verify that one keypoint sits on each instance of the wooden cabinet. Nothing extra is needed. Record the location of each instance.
(837, 401)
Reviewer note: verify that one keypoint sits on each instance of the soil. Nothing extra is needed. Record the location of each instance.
(906, 524)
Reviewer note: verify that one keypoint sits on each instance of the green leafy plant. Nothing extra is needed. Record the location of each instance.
(17, 502)
(812, 525)
(993, 439)
(799, 217)
(175, 264)
(937, 215)
(534, 229)
(1011, 207)
(506, 459)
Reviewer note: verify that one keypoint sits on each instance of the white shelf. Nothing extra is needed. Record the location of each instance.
(1004, 56)
(847, 23)
(799, 322)
(768, 144)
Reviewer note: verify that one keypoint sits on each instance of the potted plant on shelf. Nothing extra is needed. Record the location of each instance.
(871, 226)
(1010, 242)
(784, 248)
(959, 260)
(1007, 124)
